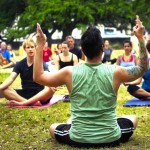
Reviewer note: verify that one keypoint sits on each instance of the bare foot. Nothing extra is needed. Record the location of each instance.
(38, 103)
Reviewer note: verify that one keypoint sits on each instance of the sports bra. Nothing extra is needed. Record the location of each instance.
(127, 64)
(63, 64)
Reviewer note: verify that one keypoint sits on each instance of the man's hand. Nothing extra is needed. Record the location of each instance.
(40, 37)
(138, 29)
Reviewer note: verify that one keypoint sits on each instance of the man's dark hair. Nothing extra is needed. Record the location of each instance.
(92, 42)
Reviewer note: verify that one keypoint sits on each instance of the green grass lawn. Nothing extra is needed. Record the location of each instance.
(27, 128)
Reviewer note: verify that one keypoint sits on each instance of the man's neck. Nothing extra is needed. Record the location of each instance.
(71, 47)
(95, 60)
(30, 60)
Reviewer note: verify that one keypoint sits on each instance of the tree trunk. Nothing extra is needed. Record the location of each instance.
(48, 35)
(67, 31)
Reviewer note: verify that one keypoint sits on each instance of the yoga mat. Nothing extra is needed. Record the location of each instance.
(137, 102)
(53, 100)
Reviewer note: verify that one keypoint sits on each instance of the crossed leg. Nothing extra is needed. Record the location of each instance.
(16, 99)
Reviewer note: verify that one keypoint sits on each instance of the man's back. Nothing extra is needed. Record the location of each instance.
(93, 104)
(92, 47)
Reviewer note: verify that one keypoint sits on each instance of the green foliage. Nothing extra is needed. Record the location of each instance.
(19, 17)
(142, 8)
(117, 45)
(10, 9)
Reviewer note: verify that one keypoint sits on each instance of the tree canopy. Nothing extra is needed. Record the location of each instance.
(18, 18)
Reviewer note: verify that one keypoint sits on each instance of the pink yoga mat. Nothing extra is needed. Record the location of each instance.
(53, 100)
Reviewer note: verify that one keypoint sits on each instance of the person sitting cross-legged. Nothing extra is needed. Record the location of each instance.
(93, 88)
(6, 60)
(31, 93)
(142, 92)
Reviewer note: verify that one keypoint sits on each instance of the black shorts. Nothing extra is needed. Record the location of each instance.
(132, 89)
(27, 94)
(62, 135)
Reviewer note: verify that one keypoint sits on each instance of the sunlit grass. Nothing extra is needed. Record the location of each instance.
(27, 128)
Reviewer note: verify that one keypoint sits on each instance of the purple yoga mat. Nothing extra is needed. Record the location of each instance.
(53, 100)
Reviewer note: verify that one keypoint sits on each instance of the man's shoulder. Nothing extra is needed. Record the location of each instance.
(20, 65)
(75, 49)
(21, 61)
(6, 51)
(108, 67)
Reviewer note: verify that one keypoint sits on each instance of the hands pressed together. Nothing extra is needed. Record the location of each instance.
(40, 37)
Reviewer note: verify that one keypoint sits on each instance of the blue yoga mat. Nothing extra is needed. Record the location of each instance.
(137, 102)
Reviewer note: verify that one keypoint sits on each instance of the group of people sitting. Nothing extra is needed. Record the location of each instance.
(37, 94)
(7, 56)
(127, 59)
(93, 88)
(93, 121)
(66, 54)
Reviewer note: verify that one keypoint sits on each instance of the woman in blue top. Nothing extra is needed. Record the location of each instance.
(12, 54)
(127, 59)
(5, 58)
(144, 91)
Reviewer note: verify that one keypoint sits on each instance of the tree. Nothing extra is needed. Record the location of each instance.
(54, 15)
(19, 17)
(10, 10)
(141, 7)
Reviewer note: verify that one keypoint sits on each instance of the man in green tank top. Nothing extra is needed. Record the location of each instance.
(93, 88)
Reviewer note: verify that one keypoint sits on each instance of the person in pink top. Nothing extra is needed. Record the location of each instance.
(47, 53)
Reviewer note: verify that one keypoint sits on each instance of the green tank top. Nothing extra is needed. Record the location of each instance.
(93, 104)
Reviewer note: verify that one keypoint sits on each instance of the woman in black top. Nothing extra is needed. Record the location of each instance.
(65, 58)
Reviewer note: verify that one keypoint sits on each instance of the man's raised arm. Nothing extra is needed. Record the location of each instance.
(38, 58)
(143, 56)
(127, 74)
